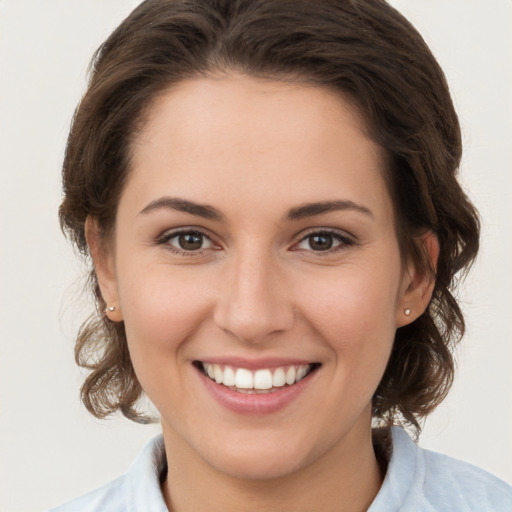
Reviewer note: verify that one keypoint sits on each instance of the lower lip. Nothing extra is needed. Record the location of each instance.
(255, 403)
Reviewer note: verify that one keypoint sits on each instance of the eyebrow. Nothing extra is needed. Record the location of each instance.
(312, 209)
(209, 212)
(183, 205)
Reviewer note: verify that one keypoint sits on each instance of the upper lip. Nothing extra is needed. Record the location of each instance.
(255, 364)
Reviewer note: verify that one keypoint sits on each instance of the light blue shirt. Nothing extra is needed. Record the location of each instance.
(417, 480)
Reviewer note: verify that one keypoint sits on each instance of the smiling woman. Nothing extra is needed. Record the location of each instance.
(268, 194)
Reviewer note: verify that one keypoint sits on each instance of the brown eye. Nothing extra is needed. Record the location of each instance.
(320, 242)
(190, 241)
(187, 241)
(324, 241)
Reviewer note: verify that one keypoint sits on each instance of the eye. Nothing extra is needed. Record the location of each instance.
(186, 241)
(324, 241)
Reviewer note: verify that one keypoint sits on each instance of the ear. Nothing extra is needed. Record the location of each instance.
(104, 265)
(418, 284)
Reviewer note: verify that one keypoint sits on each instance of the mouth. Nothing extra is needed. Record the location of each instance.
(259, 381)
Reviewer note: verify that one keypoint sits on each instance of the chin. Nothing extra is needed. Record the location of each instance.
(257, 464)
(260, 456)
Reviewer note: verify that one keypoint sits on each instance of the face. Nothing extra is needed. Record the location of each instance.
(256, 267)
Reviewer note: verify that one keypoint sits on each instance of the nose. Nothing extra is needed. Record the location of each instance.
(254, 301)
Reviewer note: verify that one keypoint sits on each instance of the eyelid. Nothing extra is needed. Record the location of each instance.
(166, 236)
(345, 240)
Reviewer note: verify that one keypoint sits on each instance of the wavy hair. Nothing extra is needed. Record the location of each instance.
(364, 49)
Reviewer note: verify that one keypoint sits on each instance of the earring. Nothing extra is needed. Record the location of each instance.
(407, 312)
(111, 308)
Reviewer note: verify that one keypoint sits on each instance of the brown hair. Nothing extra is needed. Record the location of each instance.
(364, 49)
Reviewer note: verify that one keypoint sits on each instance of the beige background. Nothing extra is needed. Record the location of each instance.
(50, 449)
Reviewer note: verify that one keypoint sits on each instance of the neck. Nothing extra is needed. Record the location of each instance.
(346, 479)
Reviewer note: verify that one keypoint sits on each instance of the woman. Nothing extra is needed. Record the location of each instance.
(268, 193)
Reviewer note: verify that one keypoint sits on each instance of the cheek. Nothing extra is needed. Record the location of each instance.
(353, 300)
(161, 310)
(354, 312)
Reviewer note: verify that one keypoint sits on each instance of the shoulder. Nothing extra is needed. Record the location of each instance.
(459, 483)
(111, 496)
(137, 490)
(424, 481)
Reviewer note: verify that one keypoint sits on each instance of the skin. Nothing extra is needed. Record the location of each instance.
(254, 150)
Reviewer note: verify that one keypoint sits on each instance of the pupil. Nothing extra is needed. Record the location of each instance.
(190, 241)
(320, 242)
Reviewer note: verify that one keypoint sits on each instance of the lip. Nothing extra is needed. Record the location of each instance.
(256, 404)
(255, 364)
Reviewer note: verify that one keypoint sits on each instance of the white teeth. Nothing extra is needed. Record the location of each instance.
(218, 374)
(229, 376)
(261, 380)
(243, 379)
(279, 378)
(301, 373)
(290, 376)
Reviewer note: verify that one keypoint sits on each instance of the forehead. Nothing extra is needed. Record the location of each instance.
(286, 110)
(255, 138)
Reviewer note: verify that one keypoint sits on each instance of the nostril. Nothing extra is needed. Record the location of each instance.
(251, 304)
(254, 325)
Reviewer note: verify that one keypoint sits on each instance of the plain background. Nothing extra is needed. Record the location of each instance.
(50, 449)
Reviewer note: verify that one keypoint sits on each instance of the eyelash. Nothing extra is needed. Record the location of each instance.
(344, 241)
(168, 236)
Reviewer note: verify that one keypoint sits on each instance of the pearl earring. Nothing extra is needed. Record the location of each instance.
(407, 312)
(111, 308)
